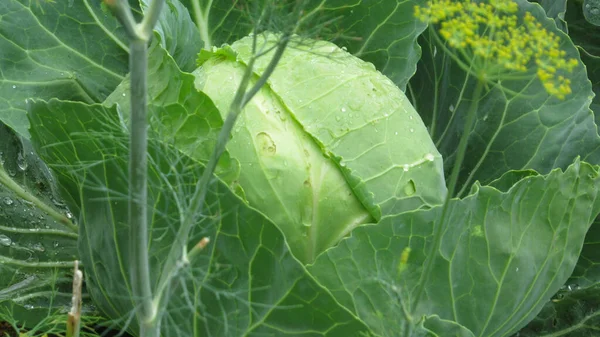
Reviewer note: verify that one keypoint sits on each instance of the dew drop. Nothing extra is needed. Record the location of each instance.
(39, 247)
(406, 167)
(451, 108)
(338, 118)
(21, 163)
(11, 172)
(5, 240)
(342, 164)
(28, 306)
(14, 87)
(55, 244)
(343, 109)
(429, 157)
(69, 215)
(396, 133)
(8, 201)
(410, 117)
(412, 130)
(1, 158)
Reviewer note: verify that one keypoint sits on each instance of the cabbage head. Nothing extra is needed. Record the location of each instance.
(328, 144)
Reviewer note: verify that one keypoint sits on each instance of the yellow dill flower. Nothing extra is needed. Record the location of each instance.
(498, 44)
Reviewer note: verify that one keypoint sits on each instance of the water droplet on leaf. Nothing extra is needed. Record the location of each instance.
(39, 247)
(5, 240)
(21, 163)
(8, 201)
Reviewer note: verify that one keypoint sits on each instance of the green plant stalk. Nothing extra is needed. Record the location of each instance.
(178, 255)
(20, 263)
(6, 180)
(440, 224)
(139, 268)
(202, 22)
(139, 263)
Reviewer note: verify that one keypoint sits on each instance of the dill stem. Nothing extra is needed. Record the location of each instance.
(440, 225)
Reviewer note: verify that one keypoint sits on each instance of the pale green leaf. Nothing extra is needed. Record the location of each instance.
(502, 256)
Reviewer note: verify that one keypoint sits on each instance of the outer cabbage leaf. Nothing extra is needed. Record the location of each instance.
(36, 251)
(71, 50)
(178, 113)
(555, 9)
(573, 312)
(383, 33)
(178, 34)
(329, 143)
(528, 130)
(237, 286)
(502, 256)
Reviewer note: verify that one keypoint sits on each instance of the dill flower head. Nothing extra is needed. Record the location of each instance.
(498, 44)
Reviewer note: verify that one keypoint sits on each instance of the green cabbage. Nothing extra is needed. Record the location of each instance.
(328, 144)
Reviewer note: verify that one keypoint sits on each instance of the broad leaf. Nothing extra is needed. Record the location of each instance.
(220, 21)
(572, 312)
(587, 271)
(36, 251)
(237, 286)
(381, 32)
(71, 50)
(178, 112)
(556, 9)
(585, 36)
(526, 129)
(502, 256)
(178, 34)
